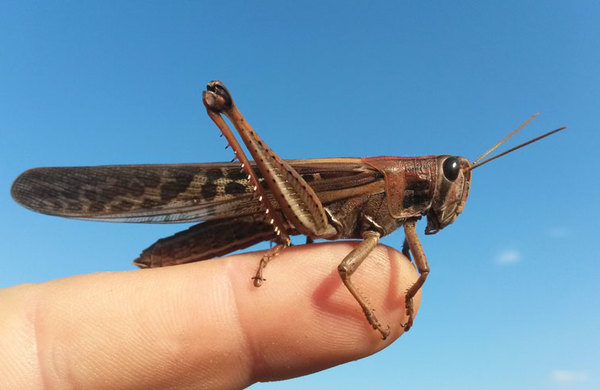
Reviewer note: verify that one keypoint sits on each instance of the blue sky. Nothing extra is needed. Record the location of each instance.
(120, 82)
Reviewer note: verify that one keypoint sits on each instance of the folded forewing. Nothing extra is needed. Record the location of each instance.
(167, 193)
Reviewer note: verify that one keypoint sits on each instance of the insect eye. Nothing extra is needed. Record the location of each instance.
(451, 168)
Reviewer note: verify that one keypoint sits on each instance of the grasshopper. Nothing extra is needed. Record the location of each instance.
(241, 203)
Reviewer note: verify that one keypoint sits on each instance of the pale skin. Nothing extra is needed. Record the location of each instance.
(200, 325)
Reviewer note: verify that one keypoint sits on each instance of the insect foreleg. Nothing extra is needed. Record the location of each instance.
(421, 262)
(347, 267)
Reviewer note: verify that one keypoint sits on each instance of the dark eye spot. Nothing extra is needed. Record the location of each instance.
(451, 168)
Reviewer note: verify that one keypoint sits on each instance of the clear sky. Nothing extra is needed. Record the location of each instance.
(84, 83)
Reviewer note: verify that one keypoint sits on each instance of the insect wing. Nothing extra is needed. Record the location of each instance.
(133, 193)
(172, 193)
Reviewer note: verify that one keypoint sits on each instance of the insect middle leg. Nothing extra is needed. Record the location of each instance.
(347, 267)
(421, 262)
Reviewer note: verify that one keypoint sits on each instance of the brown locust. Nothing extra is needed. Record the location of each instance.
(244, 202)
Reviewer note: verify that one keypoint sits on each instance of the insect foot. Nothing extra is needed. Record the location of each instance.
(410, 311)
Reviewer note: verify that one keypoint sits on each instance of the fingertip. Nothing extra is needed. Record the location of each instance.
(304, 307)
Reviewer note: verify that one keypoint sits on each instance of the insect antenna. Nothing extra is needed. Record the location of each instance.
(504, 139)
(476, 164)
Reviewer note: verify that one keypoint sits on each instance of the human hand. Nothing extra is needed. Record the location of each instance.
(201, 324)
